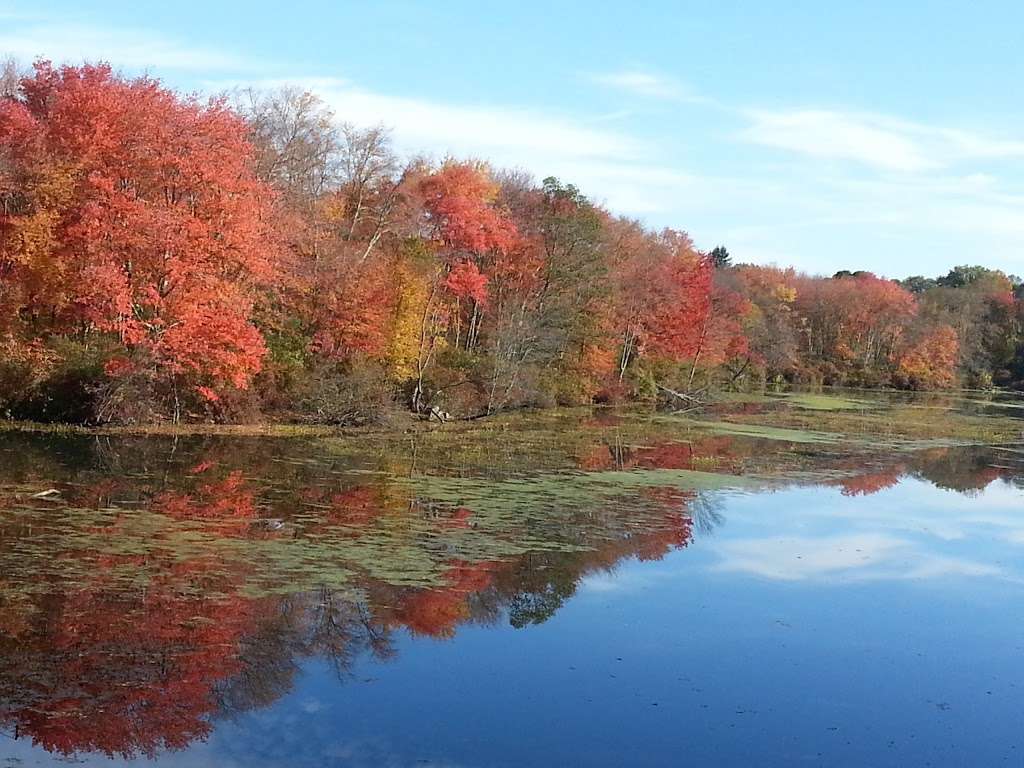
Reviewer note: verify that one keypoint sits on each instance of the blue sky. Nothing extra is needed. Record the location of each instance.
(876, 135)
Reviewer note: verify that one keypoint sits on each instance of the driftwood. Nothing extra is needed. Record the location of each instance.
(683, 401)
(436, 414)
(691, 401)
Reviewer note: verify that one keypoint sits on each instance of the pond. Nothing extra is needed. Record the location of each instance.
(593, 588)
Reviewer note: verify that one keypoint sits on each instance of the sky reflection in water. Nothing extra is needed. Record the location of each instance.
(162, 609)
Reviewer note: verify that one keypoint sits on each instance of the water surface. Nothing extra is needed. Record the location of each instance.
(573, 599)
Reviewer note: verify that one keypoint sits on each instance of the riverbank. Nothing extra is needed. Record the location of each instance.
(880, 417)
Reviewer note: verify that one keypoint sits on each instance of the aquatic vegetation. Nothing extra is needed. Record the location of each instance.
(769, 433)
(171, 558)
(826, 402)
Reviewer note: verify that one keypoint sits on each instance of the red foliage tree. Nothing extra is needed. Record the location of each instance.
(465, 281)
(352, 314)
(139, 214)
(663, 296)
(467, 233)
(458, 200)
(854, 322)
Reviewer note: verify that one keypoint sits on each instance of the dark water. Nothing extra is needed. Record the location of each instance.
(576, 602)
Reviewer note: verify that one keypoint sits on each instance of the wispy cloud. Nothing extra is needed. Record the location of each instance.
(849, 558)
(614, 167)
(837, 136)
(921, 190)
(878, 141)
(30, 37)
(476, 127)
(646, 84)
(444, 127)
(914, 531)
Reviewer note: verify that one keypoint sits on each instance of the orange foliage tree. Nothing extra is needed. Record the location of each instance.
(466, 231)
(929, 362)
(136, 215)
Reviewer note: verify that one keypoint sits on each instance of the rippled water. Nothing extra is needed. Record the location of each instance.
(572, 600)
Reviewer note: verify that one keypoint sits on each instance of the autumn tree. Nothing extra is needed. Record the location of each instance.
(662, 298)
(138, 219)
(979, 305)
(930, 360)
(852, 325)
(343, 194)
(559, 314)
(772, 329)
(464, 232)
(545, 298)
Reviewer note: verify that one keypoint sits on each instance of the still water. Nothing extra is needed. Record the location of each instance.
(710, 601)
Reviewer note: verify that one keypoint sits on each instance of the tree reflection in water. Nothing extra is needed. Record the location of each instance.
(164, 589)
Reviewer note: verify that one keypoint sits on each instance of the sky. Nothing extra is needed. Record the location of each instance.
(842, 135)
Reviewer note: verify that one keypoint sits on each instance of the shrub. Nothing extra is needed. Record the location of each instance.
(55, 383)
(23, 369)
(352, 395)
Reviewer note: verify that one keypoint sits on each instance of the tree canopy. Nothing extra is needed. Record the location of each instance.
(167, 257)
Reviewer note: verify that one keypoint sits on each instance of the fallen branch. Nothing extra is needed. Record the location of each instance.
(436, 414)
(689, 400)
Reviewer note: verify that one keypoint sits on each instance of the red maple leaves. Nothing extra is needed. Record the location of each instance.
(141, 217)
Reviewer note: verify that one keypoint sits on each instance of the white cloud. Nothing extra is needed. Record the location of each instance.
(913, 531)
(460, 128)
(849, 558)
(646, 84)
(608, 165)
(73, 42)
(878, 141)
(967, 205)
(837, 136)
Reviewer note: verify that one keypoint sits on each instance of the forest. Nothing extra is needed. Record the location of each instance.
(252, 257)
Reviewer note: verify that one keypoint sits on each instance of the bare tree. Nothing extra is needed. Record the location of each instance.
(366, 162)
(10, 77)
(370, 183)
(297, 141)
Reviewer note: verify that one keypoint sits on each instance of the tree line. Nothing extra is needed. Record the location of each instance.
(251, 257)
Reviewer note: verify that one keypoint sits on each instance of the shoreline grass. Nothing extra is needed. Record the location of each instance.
(880, 417)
